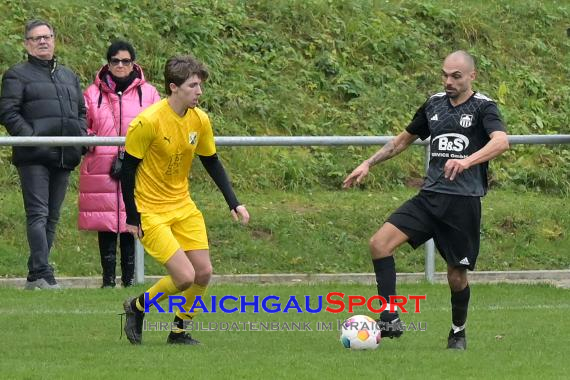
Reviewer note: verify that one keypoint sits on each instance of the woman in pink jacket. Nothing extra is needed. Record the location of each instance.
(118, 94)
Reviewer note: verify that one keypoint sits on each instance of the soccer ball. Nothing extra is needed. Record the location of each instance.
(360, 332)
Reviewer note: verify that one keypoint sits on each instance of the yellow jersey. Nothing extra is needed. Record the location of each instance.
(166, 144)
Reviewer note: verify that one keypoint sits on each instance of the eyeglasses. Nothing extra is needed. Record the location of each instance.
(37, 39)
(124, 61)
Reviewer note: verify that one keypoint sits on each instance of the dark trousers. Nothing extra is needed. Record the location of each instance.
(43, 189)
(108, 249)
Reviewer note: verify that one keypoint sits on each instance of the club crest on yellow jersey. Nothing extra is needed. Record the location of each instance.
(192, 138)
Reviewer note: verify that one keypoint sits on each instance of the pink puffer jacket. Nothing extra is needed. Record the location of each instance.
(101, 205)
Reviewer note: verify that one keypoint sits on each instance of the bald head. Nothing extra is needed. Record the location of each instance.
(461, 58)
(458, 72)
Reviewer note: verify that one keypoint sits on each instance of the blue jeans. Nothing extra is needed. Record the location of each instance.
(43, 189)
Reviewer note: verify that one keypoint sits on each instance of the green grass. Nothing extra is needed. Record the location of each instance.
(332, 67)
(320, 67)
(311, 232)
(514, 332)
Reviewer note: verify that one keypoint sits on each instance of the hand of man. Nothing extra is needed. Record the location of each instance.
(357, 175)
(454, 167)
(136, 231)
(241, 212)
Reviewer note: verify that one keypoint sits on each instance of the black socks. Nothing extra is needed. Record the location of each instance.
(385, 270)
(459, 306)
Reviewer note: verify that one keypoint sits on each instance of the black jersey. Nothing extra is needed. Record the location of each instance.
(456, 132)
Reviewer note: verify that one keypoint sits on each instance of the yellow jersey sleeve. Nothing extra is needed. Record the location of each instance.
(139, 137)
(206, 144)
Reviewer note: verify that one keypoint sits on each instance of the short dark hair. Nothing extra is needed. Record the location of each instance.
(181, 67)
(120, 45)
(34, 24)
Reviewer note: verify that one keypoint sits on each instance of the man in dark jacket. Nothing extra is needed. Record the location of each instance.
(42, 98)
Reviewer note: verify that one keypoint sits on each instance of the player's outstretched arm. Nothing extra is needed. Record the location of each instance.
(392, 148)
(498, 144)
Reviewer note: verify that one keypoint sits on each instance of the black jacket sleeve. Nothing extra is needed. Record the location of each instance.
(128, 172)
(82, 110)
(217, 172)
(11, 102)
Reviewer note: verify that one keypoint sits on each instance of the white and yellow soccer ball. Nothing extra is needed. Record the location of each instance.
(360, 332)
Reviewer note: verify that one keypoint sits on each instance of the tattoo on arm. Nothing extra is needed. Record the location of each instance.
(387, 151)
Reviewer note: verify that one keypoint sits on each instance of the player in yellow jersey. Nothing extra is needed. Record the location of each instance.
(160, 145)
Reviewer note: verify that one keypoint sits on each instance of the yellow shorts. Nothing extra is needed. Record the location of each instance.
(166, 232)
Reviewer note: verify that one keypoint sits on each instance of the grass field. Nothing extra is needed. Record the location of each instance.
(514, 332)
(311, 232)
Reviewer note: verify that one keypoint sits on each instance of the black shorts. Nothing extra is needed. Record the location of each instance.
(453, 221)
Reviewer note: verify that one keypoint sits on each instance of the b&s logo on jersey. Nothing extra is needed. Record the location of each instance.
(465, 120)
(448, 144)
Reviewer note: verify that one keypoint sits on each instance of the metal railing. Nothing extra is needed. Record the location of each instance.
(272, 141)
(264, 140)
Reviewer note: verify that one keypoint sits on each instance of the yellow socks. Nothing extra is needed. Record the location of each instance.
(190, 294)
(165, 285)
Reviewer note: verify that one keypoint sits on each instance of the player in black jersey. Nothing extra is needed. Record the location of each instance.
(466, 132)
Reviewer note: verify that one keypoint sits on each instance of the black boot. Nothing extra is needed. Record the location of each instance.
(107, 248)
(127, 259)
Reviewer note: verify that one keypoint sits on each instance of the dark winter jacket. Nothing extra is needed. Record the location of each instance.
(43, 98)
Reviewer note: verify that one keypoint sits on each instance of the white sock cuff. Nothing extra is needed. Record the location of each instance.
(457, 329)
(388, 308)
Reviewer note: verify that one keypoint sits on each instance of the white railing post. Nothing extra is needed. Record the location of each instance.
(139, 262)
(430, 246)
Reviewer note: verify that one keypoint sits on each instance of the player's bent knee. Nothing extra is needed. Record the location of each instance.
(379, 247)
(457, 280)
(184, 281)
(203, 275)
